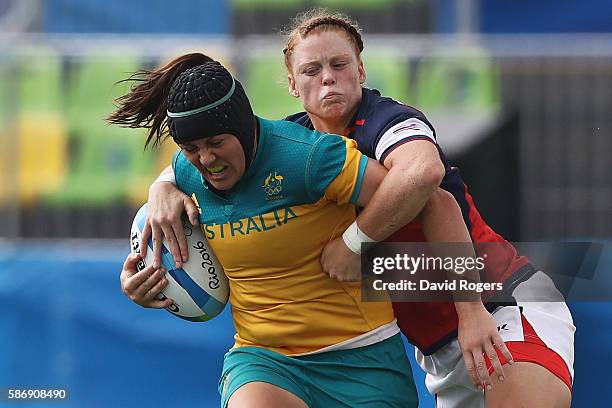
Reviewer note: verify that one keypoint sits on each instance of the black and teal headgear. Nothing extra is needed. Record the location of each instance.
(207, 100)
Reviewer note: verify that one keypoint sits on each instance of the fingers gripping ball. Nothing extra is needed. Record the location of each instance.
(199, 289)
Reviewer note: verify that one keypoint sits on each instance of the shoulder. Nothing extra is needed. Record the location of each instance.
(292, 144)
(288, 133)
(384, 112)
(180, 163)
(187, 176)
(384, 123)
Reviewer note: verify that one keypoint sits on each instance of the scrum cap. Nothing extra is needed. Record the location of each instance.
(207, 100)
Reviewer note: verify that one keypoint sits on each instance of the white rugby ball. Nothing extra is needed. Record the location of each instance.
(199, 289)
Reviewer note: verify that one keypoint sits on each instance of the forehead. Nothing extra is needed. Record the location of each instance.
(321, 44)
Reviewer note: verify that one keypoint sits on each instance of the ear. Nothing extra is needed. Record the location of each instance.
(292, 87)
(362, 72)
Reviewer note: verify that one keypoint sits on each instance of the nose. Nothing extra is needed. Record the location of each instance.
(328, 76)
(207, 158)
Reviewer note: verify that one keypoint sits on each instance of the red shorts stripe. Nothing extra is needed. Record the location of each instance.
(533, 350)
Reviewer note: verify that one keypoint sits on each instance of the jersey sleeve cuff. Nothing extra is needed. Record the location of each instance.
(363, 162)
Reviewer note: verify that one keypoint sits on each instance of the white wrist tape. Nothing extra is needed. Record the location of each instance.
(166, 176)
(353, 238)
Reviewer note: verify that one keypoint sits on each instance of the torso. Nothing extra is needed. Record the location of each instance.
(268, 233)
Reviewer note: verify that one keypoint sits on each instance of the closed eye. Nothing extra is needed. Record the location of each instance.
(311, 71)
(215, 142)
(189, 148)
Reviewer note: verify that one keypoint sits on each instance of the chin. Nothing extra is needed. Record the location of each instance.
(218, 185)
(222, 185)
(334, 111)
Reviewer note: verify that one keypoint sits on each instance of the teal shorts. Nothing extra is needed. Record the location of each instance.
(373, 376)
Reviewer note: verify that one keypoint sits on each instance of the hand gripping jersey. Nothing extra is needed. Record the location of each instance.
(383, 124)
(269, 231)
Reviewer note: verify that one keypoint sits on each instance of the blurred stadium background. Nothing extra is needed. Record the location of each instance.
(520, 94)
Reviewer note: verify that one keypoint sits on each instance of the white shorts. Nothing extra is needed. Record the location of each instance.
(536, 332)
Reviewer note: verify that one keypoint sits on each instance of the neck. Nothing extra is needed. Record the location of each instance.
(328, 126)
(336, 126)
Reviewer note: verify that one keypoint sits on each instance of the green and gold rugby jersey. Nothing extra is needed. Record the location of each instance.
(269, 231)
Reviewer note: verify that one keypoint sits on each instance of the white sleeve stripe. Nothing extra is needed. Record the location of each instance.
(401, 131)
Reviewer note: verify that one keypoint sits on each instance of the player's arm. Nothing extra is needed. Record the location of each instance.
(341, 257)
(442, 221)
(392, 198)
(166, 205)
(414, 173)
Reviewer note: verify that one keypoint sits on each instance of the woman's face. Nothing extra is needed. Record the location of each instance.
(327, 74)
(219, 158)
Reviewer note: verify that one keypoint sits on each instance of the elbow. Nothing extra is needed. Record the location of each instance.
(421, 177)
(432, 175)
(428, 176)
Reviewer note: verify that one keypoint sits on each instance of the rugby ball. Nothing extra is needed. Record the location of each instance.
(199, 289)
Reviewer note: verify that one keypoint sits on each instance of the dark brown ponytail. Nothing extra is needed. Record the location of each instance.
(145, 105)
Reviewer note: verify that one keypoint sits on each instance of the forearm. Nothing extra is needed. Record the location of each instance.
(442, 222)
(395, 197)
(401, 196)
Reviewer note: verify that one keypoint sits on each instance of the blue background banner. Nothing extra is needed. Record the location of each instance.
(65, 324)
(136, 16)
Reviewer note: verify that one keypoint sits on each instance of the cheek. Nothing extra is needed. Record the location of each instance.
(238, 159)
(350, 78)
(311, 95)
(352, 87)
(308, 85)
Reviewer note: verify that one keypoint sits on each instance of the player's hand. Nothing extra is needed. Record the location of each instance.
(480, 340)
(143, 286)
(166, 205)
(339, 262)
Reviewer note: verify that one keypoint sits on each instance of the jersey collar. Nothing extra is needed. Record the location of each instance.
(368, 97)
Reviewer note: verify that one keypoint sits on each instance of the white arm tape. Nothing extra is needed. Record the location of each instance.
(166, 176)
(353, 238)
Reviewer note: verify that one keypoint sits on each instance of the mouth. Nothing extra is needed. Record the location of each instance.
(331, 95)
(216, 171)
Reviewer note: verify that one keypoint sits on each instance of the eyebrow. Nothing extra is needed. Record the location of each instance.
(341, 56)
(308, 63)
(316, 61)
